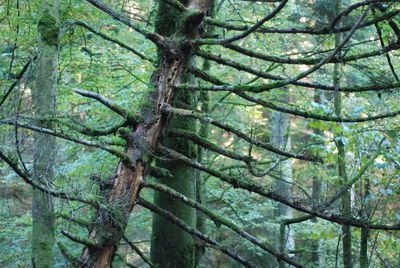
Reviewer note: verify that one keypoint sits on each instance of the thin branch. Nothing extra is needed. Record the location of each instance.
(91, 131)
(209, 145)
(245, 33)
(313, 31)
(108, 38)
(138, 251)
(328, 118)
(18, 78)
(51, 132)
(78, 221)
(387, 55)
(206, 76)
(311, 61)
(356, 177)
(281, 80)
(155, 38)
(108, 103)
(352, 7)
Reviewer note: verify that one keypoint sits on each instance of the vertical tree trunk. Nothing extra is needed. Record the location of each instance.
(281, 139)
(204, 99)
(346, 202)
(44, 145)
(316, 192)
(170, 245)
(365, 231)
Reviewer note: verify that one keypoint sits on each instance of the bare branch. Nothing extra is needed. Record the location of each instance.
(108, 38)
(108, 103)
(313, 31)
(156, 38)
(138, 251)
(245, 33)
(18, 78)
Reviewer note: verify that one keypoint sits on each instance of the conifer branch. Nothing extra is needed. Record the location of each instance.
(81, 240)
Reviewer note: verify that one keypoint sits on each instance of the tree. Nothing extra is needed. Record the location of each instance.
(159, 136)
(45, 146)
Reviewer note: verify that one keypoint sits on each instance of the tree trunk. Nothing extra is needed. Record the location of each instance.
(365, 231)
(316, 192)
(44, 145)
(142, 138)
(170, 245)
(281, 139)
(341, 161)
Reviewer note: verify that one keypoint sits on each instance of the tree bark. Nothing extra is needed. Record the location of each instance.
(44, 145)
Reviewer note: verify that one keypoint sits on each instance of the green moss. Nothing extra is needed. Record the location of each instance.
(115, 141)
(49, 29)
(185, 19)
(258, 88)
(124, 133)
(166, 19)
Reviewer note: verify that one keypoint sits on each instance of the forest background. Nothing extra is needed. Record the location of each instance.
(199, 133)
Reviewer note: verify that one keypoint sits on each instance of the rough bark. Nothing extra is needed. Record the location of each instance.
(142, 137)
(44, 145)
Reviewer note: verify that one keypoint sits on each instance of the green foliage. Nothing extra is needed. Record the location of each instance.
(91, 63)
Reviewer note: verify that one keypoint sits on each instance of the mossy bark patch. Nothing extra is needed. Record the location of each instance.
(49, 29)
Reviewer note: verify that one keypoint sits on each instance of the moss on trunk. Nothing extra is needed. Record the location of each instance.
(45, 146)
